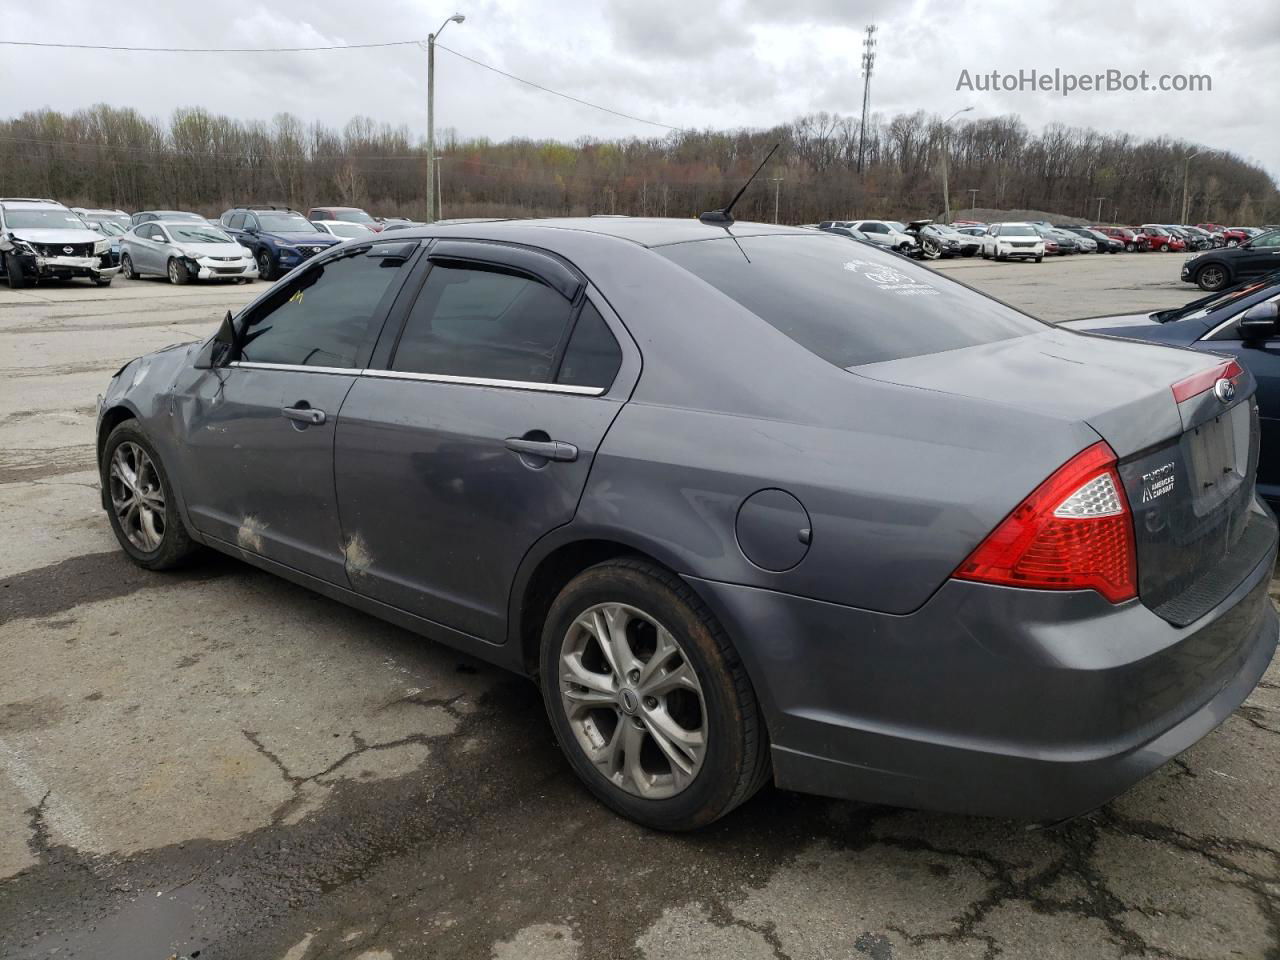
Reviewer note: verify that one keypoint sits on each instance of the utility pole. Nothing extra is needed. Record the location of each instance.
(431, 114)
(664, 199)
(1186, 173)
(1100, 199)
(777, 189)
(868, 65)
(439, 190)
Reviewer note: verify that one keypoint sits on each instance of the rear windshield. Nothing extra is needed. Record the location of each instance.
(849, 304)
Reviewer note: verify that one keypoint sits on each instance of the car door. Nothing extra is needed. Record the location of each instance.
(1262, 357)
(474, 436)
(144, 250)
(989, 240)
(256, 435)
(1262, 255)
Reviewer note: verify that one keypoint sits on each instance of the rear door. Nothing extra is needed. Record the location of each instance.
(257, 435)
(475, 435)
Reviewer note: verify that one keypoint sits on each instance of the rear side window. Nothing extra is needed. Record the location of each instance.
(849, 305)
(323, 318)
(593, 356)
(473, 322)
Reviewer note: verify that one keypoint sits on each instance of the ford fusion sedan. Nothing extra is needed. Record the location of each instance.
(183, 251)
(1013, 241)
(750, 503)
(43, 240)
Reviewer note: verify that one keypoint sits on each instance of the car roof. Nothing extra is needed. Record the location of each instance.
(25, 203)
(645, 231)
(361, 209)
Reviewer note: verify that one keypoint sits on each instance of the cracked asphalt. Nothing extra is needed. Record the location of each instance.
(217, 763)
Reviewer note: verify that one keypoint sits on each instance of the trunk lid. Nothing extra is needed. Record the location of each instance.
(1187, 468)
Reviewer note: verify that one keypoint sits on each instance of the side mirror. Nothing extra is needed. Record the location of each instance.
(96, 226)
(218, 350)
(1260, 321)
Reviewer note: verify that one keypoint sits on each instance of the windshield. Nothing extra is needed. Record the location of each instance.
(287, 223)
(849, 305)
(900, 227)
(199, 235)
(353, 216)
(53, 218)
(341, 229)
(110, 228)
(1198, 309)
(1017, 230)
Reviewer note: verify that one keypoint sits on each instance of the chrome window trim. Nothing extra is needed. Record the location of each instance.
(427, 377)
(486, 382)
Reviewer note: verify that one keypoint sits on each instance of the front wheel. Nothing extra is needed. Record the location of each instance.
(144, 515)
(266, 269)
(930, 251)
(126, 268)
(1040, 259)
(178, 272)
(13, 270)
(102, 281)
(648, 698)
(1212, 277)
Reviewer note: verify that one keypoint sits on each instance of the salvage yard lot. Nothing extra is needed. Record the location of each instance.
(220, 761)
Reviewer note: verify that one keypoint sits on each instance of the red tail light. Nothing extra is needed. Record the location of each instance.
(1073, 532)
(1198, 383)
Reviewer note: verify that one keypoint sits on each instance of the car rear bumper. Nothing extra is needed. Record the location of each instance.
(991, 700)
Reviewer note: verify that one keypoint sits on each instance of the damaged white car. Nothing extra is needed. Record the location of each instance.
(42, 239)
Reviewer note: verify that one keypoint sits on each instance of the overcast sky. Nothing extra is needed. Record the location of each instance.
(699, 63)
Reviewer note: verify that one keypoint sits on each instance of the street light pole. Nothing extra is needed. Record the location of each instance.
(1186, 173)
(946, 149)
(1100, 199)
(777, 189)
(431, 114)
(973, 198)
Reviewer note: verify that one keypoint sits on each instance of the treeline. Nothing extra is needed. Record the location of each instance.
(107, 156)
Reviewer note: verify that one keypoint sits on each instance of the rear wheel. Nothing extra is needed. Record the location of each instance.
(13, 270)
(144, 515)
(648, 699)
(178, 272)
(930, 250)
(1212, 277)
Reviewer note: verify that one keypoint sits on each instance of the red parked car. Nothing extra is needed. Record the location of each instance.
(1231, 236)
(1133, 240)
(1161, 239)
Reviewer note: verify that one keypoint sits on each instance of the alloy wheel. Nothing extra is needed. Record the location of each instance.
(137, 496)
(633, 701)
(173, 271)
(1213, 277)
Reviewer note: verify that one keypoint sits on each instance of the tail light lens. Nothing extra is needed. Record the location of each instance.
(1073, 532)
(1199, 383)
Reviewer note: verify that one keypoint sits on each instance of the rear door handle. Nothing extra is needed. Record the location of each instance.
(547, 449)
(306, 415)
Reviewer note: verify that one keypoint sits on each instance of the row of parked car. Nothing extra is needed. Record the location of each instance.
(43, 239)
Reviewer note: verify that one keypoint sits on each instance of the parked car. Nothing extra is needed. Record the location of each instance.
(113, 231)
(1134, 241)
(91, 215)
(1238, 321)
(1096, 242)
(145, 216)
(279, 238)
(982, 502)
(886, 233)
(1198, 239)
(1161, 239)
(1011, 241)
(184, 251)
(1234, 236)
(345, 230)
(936, 240)
(394, 225)
(972, 230)
(1215, 269)
(43, 240)
(1068, 243)
(842, 230)
(344, 215)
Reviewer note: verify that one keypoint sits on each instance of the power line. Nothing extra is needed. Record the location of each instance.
(100, 46)
(556, 92)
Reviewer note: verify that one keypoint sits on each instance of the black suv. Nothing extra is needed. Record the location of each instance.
(1215, 269)
(280, 238)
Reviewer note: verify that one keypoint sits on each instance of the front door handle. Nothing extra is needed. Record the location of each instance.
(307, 415)
(546, 449)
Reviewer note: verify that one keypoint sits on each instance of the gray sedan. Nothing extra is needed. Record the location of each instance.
(750, 503)
(184, 251)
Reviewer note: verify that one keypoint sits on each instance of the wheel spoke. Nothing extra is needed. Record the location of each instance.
(615, 624)
(664, 681)
(608, 758)
(634, 774)
(682, 748)
(575, 673)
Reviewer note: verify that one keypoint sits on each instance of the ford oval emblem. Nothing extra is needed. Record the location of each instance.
(1224, 390)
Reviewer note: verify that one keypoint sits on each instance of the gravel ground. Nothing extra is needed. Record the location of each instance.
(219, 761)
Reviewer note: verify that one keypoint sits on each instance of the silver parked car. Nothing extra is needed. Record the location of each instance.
(184, 251)
(344, 230)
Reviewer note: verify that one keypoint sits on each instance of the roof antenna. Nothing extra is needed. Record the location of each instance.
(724, 217)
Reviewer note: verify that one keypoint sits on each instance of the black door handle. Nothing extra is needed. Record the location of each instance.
(305, 415)
(546, 449)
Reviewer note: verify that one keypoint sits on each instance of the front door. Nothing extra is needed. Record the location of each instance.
(1261, 256)
(477, 437)
(257, 434)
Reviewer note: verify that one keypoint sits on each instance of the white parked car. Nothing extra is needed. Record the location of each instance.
(1010, 241)
(887, 233)
(183, 251)
(343, 229)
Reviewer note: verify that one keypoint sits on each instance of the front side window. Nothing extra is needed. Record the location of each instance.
(849, 305)
(236, 221)
(475, 322)
(324, 318)
(1268, 239)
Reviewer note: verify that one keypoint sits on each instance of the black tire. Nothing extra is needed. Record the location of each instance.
(736, 763)
(1212, 277)
(13, 270)
(1040, 259)
(266, 269)
(177, 271)
(126, 268)
(102, 281)
(175, 546)
(930, 250)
